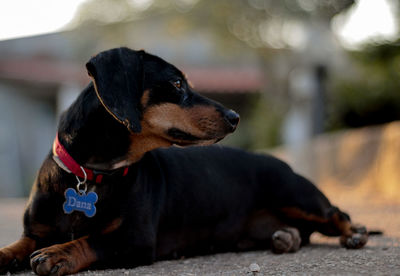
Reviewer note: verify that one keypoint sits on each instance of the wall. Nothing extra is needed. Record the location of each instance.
(353, 165)
(27, 128)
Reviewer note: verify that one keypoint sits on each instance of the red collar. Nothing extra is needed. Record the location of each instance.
(65, 161)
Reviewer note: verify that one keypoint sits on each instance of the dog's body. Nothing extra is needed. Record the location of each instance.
(172, 202)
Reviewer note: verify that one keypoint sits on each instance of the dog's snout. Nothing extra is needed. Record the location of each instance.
(232, 118)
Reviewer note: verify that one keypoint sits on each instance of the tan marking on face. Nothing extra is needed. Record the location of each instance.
(188, 81)
(191, 85)
(163, 117)
(203, 122)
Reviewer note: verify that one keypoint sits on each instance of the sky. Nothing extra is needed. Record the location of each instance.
(367, 19)
(20, 18)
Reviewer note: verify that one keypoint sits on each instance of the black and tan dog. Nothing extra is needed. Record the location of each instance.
(106, 197)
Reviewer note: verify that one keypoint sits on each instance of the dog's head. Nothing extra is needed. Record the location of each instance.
(152, 98)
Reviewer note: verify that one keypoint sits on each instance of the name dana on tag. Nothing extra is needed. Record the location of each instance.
(73, 202)
(82, 203)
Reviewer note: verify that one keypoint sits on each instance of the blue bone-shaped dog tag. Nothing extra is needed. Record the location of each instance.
(82, 203)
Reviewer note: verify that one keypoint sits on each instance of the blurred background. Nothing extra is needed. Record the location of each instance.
(316, 82)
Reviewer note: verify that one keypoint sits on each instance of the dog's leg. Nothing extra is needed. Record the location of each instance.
(334, 223)
(102, 250)
(312, 211)
(263, 230)
(61, 259)
(351, 236)
(14, 257)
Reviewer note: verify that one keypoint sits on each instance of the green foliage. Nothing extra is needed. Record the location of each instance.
(231, 21)
(260, 126)
(265, 122)
(372, 96)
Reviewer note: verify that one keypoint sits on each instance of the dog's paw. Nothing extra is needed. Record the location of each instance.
(357, 239)
(286, 240)
(52, 261)
(61, 259)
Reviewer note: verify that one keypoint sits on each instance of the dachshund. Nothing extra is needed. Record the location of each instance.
(132, 178)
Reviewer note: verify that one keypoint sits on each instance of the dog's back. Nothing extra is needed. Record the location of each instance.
(210, 195)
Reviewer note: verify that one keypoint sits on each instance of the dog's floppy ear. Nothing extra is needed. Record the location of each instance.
(118, 79)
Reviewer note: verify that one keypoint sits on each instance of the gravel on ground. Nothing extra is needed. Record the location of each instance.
(324, 256)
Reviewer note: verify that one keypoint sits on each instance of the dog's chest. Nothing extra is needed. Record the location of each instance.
(75, 225)
(82, 216)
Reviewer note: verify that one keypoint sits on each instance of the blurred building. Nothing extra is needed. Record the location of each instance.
(265, 59)
(40, 76)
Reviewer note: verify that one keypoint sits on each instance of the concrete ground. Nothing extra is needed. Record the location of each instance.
(324, 256)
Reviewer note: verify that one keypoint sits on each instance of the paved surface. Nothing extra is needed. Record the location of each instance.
(324, 257)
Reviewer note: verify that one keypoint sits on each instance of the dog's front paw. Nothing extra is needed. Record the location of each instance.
(51, 261)
(286, 240)
(62, 259)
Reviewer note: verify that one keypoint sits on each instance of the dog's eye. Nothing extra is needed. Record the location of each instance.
(178, 84)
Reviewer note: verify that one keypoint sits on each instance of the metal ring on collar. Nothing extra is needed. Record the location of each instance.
(80, 183)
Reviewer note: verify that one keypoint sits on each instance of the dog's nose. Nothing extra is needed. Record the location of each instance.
(232, 118)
